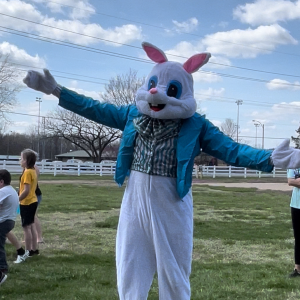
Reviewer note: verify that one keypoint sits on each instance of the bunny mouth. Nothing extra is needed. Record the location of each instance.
(157, 107)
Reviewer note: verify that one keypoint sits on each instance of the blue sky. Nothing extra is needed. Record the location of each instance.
(254, 47)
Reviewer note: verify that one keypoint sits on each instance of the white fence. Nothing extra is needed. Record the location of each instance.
(58, 167)
(230, 171)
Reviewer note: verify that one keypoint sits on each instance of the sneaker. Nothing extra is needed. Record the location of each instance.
(34, 252)
(22, 258)
(295, 273)
(2, 277)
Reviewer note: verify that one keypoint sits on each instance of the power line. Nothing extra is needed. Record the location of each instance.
(123, 44)
(186, 33)
(250, 102)
(249, 78)
(73, 45)
(207, 98)
(70, 31)
(27, 66)
(109, 53)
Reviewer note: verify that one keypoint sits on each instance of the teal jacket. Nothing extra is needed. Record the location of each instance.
(196, 134)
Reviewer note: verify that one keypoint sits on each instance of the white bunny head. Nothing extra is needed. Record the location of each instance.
(168, 91)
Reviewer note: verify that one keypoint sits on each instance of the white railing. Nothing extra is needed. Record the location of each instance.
(66, 168)
(58, 167)
(230, 171)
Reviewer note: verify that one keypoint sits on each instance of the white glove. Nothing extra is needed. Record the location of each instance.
(286, 157)
(44, 83)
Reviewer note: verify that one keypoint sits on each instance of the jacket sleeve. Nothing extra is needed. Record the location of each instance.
(103, 113)
(216, 143)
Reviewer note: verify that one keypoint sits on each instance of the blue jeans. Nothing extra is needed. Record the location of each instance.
(5, 228)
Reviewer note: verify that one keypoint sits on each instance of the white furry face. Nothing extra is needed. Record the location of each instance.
(167, 93)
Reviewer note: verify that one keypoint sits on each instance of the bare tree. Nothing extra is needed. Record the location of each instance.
(83, 133)
(229, 128)
(121, 90)
(9, 86)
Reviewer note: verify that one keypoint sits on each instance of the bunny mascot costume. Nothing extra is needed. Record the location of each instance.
(162, 134)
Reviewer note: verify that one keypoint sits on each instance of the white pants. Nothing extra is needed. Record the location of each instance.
(155, 234)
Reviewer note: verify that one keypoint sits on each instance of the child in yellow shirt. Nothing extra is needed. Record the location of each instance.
(28, 203)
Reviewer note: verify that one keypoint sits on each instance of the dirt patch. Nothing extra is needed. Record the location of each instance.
(279, 186)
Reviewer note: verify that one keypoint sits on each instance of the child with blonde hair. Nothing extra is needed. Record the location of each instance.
(28, 203)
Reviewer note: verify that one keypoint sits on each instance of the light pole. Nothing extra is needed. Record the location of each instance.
(263, 132)
(238, 102)
(39, 101)
(256, 125)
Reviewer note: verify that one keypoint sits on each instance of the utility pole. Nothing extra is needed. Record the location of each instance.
(238, 102)
(39, 101)
(256, 125)
(263, 132)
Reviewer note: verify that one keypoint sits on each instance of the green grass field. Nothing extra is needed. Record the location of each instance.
(243, 245)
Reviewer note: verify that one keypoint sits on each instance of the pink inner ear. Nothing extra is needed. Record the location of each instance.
(154, 53)
(195, 62)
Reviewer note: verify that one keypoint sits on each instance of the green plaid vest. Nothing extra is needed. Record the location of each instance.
(155, 146)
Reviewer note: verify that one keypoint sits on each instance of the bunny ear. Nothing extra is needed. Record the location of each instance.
(154, 53)
(195, 62)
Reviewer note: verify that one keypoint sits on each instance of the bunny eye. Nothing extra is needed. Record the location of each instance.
(174, 89)
(152, 82)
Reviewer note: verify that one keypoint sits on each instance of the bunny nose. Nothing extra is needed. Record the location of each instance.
(153, 91)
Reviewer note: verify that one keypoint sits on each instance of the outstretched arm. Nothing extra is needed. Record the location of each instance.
(221, 146)
(104, 113)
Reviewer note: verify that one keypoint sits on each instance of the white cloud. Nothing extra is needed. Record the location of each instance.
(247, 43)
(218, 62)
(186, 26)
(123, 34)
(20, 56)
(203, 95)
(279, 84)
(183, 50)
(205, 76)
(84, 10)
(19, 9)
(55, 8)
(279, 111)
(208, 93)
(267, 11)
(75, 9)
